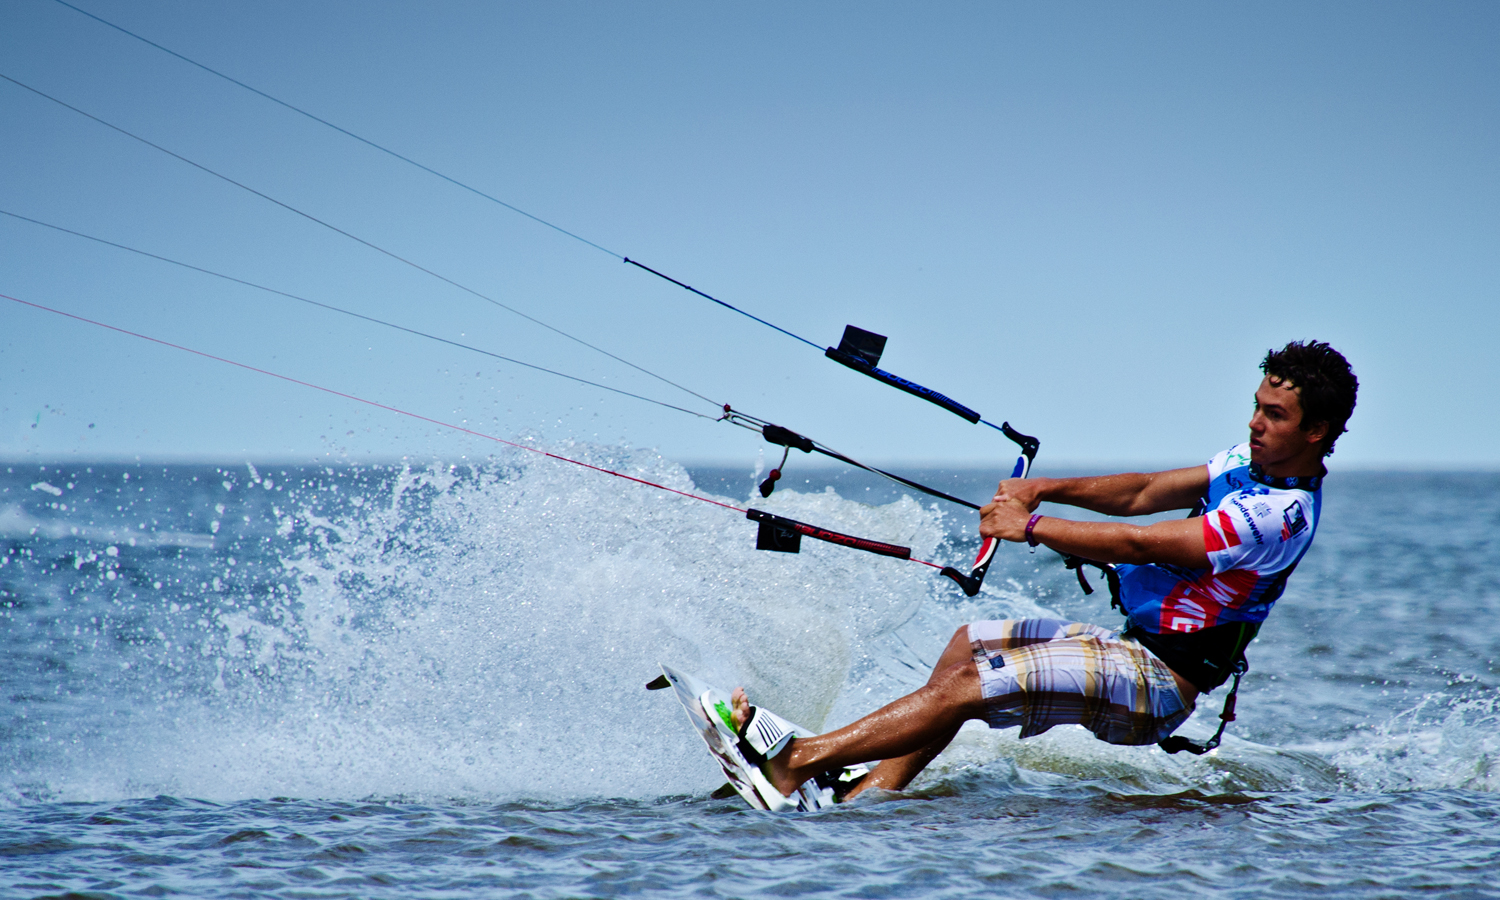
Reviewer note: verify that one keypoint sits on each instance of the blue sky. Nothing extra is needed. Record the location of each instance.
(1089, 219)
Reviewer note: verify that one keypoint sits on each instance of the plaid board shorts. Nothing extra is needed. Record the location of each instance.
(1037, 673)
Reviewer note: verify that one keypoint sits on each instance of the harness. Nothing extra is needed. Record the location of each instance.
(1207, 657)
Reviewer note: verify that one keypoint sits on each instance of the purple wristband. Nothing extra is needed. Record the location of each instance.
(1030, 524)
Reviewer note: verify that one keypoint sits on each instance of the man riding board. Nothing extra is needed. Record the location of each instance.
(1194, 591)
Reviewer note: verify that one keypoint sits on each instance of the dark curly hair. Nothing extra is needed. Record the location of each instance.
(1325, 384)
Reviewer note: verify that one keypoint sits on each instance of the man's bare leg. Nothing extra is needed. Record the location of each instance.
(895, 774)
(906, 728)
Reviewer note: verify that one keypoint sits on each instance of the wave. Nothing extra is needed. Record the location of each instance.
(15, 523)
(485, 633)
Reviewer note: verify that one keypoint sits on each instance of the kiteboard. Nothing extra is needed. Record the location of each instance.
(708, 709)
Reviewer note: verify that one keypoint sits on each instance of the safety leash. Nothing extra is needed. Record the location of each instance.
(1177, 743)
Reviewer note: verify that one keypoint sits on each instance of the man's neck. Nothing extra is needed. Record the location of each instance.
(1304, 465)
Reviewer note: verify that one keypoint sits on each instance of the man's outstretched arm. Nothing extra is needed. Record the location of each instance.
(1178, 542)
(1131, 494)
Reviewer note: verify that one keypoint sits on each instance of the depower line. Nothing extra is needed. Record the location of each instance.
(357, 399)
(431, 171)
(344, 131)
(861, 359)
(772, 432)
(425, 168)
(351, 236)
(351, 313)
(787, 530)
(859, 350)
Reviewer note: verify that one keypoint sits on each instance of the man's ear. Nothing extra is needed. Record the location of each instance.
(1316, 432)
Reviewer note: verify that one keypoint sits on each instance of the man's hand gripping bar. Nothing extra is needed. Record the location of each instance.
(972, 582)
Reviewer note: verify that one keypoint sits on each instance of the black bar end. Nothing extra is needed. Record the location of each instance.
(969, 583)
(1029, 445)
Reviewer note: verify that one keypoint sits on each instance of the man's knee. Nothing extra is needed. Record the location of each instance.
(957, 651)
(960, 640)
(958, 687)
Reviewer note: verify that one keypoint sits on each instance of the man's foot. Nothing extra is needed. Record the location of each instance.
(777, 770)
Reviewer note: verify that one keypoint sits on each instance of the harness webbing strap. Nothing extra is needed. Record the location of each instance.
(1177, 743)
(1245, 632)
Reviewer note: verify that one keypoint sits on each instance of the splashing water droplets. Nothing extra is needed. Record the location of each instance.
(486, 632)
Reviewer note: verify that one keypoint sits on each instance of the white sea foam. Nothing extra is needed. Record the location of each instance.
(491, 635)
(1439, 743)
(487, 635)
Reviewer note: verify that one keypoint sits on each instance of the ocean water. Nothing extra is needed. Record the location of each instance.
(426, 680)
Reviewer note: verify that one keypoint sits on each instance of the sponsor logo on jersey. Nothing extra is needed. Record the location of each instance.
(1249, 520)
(1293, 522)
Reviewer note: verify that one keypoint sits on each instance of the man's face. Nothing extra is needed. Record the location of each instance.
(1276, 435)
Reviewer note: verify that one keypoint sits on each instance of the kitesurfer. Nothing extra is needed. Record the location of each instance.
(1194, 591)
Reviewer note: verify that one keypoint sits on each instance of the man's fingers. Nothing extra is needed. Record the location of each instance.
(1003, 518)
(1022, 490)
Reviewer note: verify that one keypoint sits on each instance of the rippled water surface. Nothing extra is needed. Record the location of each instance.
(427, 681)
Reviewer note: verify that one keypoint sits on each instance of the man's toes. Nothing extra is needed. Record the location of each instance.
(741, 707)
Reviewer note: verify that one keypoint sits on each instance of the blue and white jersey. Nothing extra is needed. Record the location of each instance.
(1255, 528)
